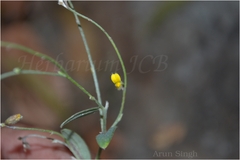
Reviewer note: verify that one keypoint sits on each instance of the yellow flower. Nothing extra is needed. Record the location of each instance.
(116, 79)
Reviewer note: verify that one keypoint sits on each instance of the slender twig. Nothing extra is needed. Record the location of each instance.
(89, 55)
(94, 74)
(62, 71)
(34, 129)
(24, 139)
(120, 114)
(14, 73)
(99, 153)
(84, 90)
(35, 53)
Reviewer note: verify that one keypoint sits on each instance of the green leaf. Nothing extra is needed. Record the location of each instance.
(103, 139)
(79, 115)
(76, 144)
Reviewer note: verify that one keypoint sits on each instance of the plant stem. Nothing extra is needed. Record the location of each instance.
(84, 90)
(99, 153)
(101, 110)
(120, 114)
(13, 73)
(24, 139)
(62, 71)
(34, 129)
(35, 53)
(89, 55)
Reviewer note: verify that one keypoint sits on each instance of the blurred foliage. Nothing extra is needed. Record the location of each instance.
(162, 12)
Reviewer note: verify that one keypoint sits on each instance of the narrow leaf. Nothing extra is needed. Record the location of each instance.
(79, 115)
(103, 139)
(76, 144)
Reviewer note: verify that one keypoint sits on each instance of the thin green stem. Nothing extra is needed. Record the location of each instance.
(120, 114)
(14, 73)
(84, 90)
(35, 53)
(88, 53)
(34, 129)
(99, 153)
(62, 71)
(94, 74)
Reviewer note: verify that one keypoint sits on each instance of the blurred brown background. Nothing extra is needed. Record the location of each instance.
(182, 63)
